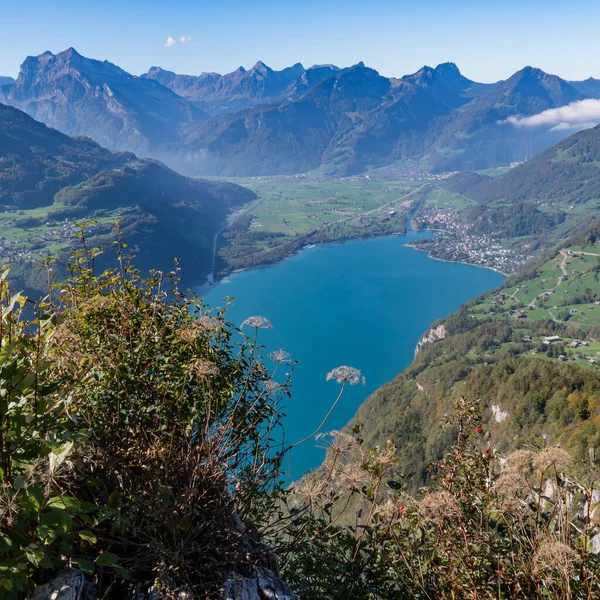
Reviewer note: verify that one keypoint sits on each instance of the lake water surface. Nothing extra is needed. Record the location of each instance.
(361, 303)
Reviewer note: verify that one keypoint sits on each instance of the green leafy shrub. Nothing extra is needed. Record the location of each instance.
(40, 521)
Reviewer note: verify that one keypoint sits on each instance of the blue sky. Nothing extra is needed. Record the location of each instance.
(489, 40)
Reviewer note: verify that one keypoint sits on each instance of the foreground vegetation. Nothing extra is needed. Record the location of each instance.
(139, 443)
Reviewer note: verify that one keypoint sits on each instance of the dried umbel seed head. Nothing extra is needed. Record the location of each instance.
(385, 458)
(202, 369)
(312, 489)
(279, 356)
(387, 511)
(257, 322)
(554, 556)
(353, 477)
(519, 460)
(66, 346)
(438, 506)
(208, 323)
(338, 442)
(553, 458)
(510, 486)
(98, 302)
(346, 374)
(272, 387)
(193, 330)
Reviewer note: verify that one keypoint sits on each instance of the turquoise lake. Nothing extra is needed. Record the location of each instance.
(360, 303)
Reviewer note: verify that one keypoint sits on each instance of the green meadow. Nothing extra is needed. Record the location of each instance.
(444, 200)
(294, 208)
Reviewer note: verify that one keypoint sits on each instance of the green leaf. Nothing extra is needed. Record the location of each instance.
(63, 502)
(88, 536)
(36, 497)
(35, 555)
(107, 559)
(47, 533)
(62, 453)
(114, 500)
(124, 573)
(58, 518)
(6, 584)
(86, 566)
(5, 543)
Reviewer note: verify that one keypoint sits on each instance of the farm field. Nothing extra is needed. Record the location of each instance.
(37, 233)
(444, 200)
(294, 208)
(566, 291)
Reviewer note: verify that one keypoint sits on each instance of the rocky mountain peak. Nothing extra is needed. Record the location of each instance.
(448, 69)
(260, 67)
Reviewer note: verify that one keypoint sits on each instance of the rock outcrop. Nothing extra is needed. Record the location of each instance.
(69, 585)
(264, 584)
(433, 335)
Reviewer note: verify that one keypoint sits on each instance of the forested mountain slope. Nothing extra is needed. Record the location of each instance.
(49, 180)
(568, 173)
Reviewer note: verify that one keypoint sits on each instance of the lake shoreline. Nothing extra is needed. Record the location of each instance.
(458, 262)
(214, 282)
(208, 285)
(328, 307)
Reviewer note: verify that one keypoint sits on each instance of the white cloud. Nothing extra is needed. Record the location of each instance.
(184, 39)
(575, 116)
(170, 42)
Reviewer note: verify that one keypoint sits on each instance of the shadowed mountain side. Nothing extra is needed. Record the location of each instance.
(164, 214)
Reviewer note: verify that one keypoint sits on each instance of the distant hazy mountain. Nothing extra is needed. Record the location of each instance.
(80, 96)
(264, 122)
(357, 119)
(242, 89)
(477, 137)
(6, 80)
(290, 136)
(568, 173)
(589, 87)
(167, 215)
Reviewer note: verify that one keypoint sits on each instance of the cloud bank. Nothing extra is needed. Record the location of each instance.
(575, 116)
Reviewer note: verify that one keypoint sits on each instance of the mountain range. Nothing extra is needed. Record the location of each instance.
(338, 121)
(163, 214)
(242, 89)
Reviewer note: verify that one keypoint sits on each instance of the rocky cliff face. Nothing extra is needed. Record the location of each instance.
(69, 585)
(433, 335)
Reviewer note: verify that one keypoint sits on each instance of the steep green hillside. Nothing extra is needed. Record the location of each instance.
(566, 174)
(536, 392)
